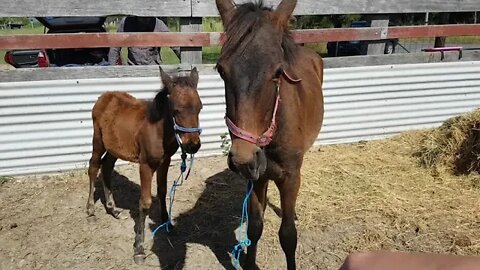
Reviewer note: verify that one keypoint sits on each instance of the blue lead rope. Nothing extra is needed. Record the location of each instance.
(178, 182)
(244, 242)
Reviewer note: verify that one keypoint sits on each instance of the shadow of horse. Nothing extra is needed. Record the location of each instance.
(211, 222)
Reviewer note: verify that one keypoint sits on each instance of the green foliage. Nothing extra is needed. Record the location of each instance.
(23, 20)
(5, 179)
(330, 21)
(226, 143)
(211, 24)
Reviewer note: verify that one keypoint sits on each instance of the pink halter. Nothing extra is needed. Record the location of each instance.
(267, 136)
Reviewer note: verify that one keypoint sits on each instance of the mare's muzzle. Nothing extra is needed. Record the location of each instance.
(251, 168)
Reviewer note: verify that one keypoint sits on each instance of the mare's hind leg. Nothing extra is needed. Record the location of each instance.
(107, 167)
(162, 172)
(288, 188)
(94, 166)
(146, 173)
(257, 205)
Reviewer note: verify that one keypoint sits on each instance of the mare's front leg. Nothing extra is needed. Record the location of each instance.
(256, 210)
(146, 173)
(288, 187)
(162, 172)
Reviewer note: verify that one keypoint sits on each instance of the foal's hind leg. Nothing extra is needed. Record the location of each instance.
(94, 166)
(107, 167)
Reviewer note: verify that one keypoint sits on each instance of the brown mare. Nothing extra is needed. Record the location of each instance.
(274, 109)
(383, 260)
(143, 132)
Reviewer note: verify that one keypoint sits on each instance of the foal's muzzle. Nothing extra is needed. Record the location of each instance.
(191, 147)
(187, 138)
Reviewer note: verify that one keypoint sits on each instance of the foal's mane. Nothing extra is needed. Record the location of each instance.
(242, 28)
(160, 101)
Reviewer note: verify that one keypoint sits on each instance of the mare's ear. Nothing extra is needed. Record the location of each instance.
(283, 14)
(166, 79)
(194, 75)
(225, 8)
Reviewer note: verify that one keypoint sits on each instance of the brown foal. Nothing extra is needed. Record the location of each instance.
(143, 132)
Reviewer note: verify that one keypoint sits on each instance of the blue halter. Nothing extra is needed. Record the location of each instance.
(177, 128)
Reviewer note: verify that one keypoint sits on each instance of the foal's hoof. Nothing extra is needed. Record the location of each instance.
(139, 258)
(90, 211)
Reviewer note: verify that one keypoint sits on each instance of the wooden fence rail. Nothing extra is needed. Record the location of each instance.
(202, 39)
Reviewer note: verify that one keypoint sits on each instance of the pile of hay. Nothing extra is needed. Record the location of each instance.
(456, 144)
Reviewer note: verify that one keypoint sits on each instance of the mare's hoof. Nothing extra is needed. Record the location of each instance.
(116, 213)
(139, 258)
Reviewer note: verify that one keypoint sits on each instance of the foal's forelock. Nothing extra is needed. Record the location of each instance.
(162, 102)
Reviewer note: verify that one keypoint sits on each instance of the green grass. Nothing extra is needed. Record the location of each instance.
(464, 40)
(5, 179)
(23, 31)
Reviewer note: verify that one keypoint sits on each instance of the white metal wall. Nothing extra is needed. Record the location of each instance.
(45, 126)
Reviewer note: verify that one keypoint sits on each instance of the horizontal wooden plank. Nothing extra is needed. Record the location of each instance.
(97, 40)
(44, 8)
(400, 58)
(336, 34)
(201, 39)
(434, 31)
(205, 8)
(72, 73)
(150, 71)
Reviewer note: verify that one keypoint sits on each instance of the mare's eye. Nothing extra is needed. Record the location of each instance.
(220, 70)
(278, 73)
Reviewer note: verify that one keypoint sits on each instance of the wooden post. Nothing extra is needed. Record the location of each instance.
(440, 41)
(378, 47)
(191, 55)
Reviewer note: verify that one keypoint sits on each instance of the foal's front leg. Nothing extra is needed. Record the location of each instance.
(146, 173)
(162, 173)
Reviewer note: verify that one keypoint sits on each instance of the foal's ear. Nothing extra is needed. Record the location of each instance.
(225, 8)
(194, 75)
(166, 79)
(283, 13)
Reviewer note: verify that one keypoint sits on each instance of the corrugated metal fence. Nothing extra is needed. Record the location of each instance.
(45, 126)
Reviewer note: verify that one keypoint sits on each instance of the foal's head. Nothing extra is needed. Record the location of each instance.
(184, 105)
(257, 51)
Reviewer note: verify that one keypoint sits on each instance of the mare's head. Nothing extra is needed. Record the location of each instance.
(184, 106)
(258, 48)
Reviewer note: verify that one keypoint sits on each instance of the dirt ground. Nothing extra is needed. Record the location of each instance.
(354, 197)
